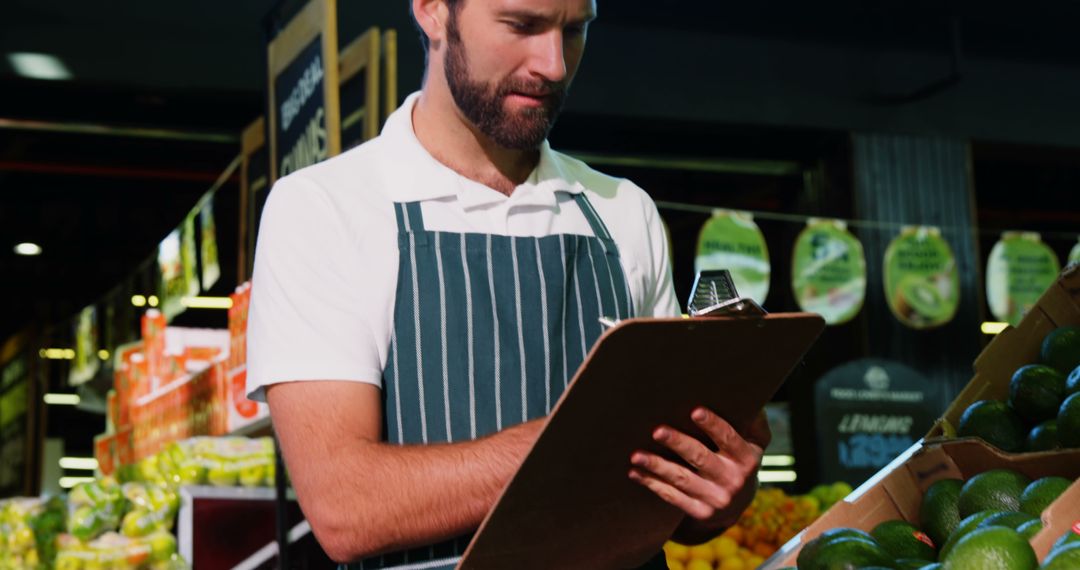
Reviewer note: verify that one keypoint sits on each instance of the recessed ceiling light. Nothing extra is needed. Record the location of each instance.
(38, 66)
(27, 248)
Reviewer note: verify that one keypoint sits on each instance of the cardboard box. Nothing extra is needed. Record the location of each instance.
(1013, 348)
(896, 492)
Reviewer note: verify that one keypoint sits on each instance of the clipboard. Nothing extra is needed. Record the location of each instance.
(571, 503)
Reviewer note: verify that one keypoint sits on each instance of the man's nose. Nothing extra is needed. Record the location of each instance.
(549, 57)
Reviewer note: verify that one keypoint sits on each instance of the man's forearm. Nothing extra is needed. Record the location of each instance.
(375, 497)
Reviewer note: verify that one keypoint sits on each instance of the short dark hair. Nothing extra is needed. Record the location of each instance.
(454, 5)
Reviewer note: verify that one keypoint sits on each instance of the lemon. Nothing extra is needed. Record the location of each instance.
(676, 551)
(733, 563)
(703, 552)
(725, 547)
(699, 564)
(675, 565)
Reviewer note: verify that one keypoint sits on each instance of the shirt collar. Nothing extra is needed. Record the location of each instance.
(422, 177)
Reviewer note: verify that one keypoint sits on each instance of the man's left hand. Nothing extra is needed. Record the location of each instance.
(718, 485)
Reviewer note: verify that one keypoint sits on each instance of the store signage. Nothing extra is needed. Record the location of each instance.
(176, 262)
(867, 412)
(211, 268)
(14, 433)
(305, 124)
(86, 362)
(922, 285)
(828, 272)
(1020, 269)
(731, 240)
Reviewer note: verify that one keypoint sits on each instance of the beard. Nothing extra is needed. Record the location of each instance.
(482, 103)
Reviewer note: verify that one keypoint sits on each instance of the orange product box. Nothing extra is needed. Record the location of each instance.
(125, 454)
(153, 334)
(105, 453)
(896, 491)
(242, 411)
(1014, 347)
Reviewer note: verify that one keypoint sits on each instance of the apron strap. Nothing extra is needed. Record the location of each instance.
(410, 219)
(592, 217)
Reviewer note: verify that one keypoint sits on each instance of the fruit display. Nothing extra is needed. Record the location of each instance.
(28, 530)
(983, 522)
(1043, 407)
(772, 519)
(218, 461)
(119, 526)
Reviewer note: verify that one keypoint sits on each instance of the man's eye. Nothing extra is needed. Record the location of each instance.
(521, 27)
(574, 31)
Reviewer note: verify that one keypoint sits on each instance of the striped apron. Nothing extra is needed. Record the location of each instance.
(488, 330)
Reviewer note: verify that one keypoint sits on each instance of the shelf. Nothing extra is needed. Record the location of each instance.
(260, 428)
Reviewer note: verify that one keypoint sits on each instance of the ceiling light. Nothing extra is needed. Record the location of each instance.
(207, 302)
(777, 476)
(80, 463)
(152, 300)
(103, 354)
(777, 461)
(62, 399)
(57, 353)
(69, 482)
(38, 66)
(993, 328)
(138, 300)
(27, 248)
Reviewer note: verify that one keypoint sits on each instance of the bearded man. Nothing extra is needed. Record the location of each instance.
(420, 302)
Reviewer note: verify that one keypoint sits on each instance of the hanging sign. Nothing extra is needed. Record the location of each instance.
(187, 256)
(86, 362)
(1074, 255)
(173, 287)
(922, 285)
(1020, 269)
(305, 113)
(731, 240)
(211, 269)
(828, 272)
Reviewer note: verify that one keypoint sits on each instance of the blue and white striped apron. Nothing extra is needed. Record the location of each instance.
(488, 330)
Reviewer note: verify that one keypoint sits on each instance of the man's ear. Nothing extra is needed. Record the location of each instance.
(432, 16)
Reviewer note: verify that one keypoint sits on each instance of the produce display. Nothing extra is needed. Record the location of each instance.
(772, 519)
(218, 461)
(983, 522)
(1043, 408)
(126, 522)
(28, 531)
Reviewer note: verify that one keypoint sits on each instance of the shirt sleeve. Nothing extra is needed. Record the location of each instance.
(308, 319)
(660, 300)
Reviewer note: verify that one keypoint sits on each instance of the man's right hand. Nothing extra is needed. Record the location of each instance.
(364, 497)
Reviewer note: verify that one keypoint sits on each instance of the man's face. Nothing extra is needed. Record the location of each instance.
(509, 64)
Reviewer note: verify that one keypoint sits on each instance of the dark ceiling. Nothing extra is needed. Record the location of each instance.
(99, 204)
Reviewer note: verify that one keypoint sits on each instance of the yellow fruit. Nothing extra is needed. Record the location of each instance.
(754, 561)
(725, 547)
(676, 551)
(745, 553)
(675, 565)
(698, 564)
(732, 564)
(735, 533)
(702, 552)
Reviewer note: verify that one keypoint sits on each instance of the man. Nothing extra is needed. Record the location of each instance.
(421, 301)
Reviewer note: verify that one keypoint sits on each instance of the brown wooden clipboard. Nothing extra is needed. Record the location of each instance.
(571, 504)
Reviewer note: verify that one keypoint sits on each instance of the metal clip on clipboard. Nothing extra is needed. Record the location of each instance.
(714, 295)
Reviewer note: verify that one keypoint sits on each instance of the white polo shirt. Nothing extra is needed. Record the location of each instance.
(326, 265)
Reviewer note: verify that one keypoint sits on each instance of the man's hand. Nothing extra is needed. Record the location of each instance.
(719, 485)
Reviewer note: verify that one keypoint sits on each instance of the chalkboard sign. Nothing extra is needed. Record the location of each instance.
(869, 411)
(304, 110)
